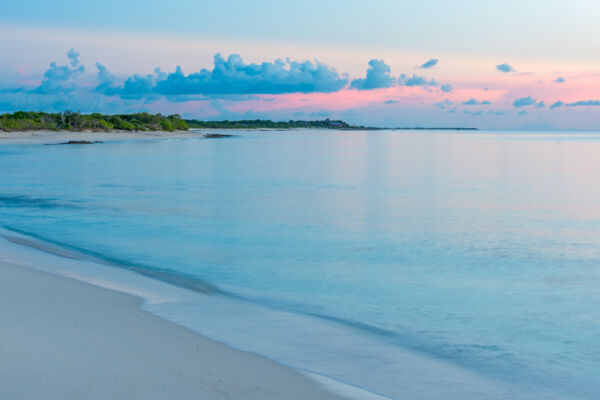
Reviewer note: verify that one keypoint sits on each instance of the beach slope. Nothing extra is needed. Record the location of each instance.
(63, 339)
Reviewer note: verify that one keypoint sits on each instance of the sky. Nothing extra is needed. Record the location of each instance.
(500, 65)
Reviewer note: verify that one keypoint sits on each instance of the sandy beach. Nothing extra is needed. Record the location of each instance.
(63, 339)
(56, 137)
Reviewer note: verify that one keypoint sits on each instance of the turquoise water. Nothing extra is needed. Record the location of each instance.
(332, 251)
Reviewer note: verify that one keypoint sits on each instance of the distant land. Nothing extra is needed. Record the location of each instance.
(145, 122)
(268, 124)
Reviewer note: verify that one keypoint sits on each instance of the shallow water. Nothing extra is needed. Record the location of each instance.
(347, 253)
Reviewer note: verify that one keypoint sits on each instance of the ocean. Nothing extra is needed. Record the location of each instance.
(413, 264)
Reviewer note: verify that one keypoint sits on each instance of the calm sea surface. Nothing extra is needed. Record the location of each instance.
(471, 260)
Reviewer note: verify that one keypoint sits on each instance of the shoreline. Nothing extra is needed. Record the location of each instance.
(106, 288)
(61, 137)
(58, 137)
(216, 319)
(104, 345)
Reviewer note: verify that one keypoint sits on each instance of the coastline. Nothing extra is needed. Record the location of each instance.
(62, 338)
(61, 137)
(58, 137)
(55, 137)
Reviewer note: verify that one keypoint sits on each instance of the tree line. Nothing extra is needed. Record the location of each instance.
(75, 121)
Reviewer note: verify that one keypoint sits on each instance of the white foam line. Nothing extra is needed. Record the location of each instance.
(344, 389)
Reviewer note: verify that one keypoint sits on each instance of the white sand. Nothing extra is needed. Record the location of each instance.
(64, 339)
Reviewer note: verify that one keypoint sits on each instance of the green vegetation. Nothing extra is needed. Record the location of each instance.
(267, 124)
(74, 121)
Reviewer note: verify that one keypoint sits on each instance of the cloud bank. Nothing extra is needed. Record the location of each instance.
(233, 76)
(229, 77)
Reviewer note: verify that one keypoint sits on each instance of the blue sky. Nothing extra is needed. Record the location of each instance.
(508, 26)
(494, 51)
